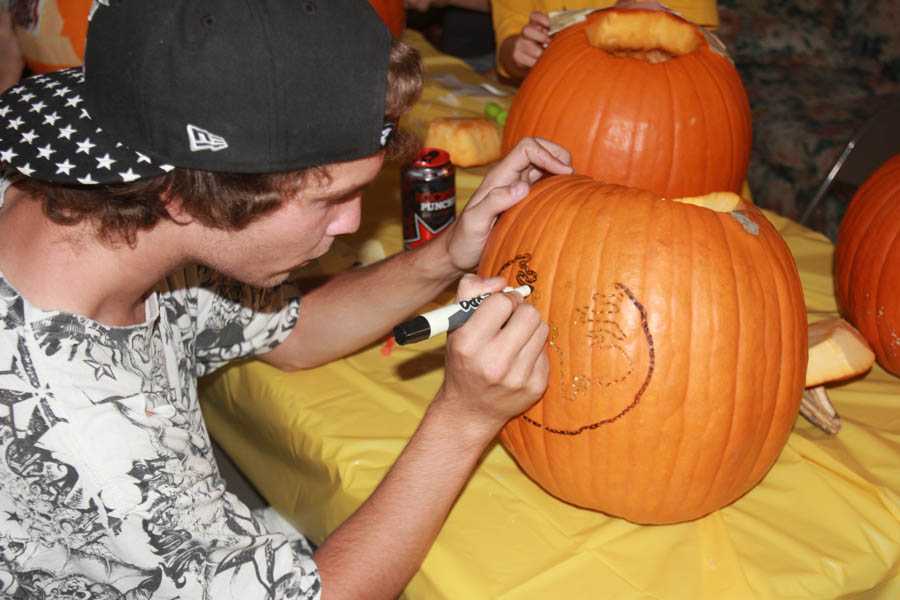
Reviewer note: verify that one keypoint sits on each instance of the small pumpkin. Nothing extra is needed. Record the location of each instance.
(640, 98)
(867, 264)
(678, 346)
(393, 13)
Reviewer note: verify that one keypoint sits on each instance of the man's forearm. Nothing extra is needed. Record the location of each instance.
(384, 542)
(361, 306)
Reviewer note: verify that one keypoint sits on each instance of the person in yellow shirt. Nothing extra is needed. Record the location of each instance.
(521, 27)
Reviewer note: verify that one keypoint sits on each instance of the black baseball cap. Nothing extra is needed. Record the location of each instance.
(242, 86)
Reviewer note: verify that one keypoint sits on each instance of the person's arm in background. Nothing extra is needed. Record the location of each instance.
(424, 5)
(11, 61)
(518, 53)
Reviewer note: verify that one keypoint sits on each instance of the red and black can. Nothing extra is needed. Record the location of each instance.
(429, 196)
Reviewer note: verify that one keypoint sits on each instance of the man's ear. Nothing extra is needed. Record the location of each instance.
(175, 209)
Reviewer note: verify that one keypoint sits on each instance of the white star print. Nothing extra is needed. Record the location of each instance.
(4, 111)
(84, 114)
(45, 152)
(37, 106)
(51, 84)
(51, 119)
(26, 170)
(129, 175)
(8, 155)
(67, 131)
(73, 101)
(85, 146)
(17, 90)
(16, 123)
(105, 162)
(29, 136)
(143, 158)
(166, 168)
(27, 97)
(64, 167)
(86, 180)
(62, 91)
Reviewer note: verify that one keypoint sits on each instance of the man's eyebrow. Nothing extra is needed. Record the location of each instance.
(342, 194)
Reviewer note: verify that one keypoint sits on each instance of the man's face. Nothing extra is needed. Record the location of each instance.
(301, 229)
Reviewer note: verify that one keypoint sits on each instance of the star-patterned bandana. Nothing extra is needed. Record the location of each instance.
(45, 132)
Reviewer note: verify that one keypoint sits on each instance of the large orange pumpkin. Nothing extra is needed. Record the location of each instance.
(640, 98)
(868, 263)
(393, 13)
(678, 346)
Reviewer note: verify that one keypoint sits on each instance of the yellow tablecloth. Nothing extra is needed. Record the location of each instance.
(824, 523)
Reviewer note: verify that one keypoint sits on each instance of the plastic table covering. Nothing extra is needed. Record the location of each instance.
(823, 523)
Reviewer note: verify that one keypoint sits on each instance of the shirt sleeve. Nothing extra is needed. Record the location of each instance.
(509, 17)
(235, 320)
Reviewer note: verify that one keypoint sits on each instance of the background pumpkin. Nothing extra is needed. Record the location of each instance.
(867, 264)
(678, 127)
(678, 346)
(393, 13)
(51, 33)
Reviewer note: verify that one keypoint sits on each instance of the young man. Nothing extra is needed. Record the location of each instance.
(236, 135)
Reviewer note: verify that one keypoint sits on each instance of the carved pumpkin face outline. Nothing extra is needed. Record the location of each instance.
(600, 323)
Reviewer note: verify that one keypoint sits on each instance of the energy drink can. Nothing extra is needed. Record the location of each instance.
(429, 196)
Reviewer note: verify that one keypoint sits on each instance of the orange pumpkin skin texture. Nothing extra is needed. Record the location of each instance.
(678, 347)
(679, 128)
(393, 13)
(867, 265)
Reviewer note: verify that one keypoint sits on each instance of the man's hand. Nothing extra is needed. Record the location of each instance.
(504, 185)
(496, 364)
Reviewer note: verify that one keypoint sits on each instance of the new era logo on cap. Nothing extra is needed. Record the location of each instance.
(201, 139)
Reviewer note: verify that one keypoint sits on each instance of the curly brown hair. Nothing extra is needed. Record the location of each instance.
(227, 201)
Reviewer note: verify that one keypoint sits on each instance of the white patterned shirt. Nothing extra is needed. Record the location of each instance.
(108, 485)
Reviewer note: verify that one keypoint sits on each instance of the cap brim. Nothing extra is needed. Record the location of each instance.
(47, 133)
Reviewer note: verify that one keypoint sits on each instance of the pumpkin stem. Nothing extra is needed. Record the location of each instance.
(651, 35)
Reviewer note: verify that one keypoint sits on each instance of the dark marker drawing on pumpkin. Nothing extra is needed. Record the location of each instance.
(601, 321)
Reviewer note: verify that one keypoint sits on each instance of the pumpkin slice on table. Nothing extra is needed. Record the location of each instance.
(641, 98)
(470, 141)
(836, 351)
(661, 406)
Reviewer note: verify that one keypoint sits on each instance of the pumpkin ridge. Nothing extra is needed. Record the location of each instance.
(723, 75)
(671, 139)
(720, 478)
(546, 205)
(598, 123)
(868, 263)
(702, 120)
(716, 84)
(631, 489)
(789, 277)
(891, 338)
(881, 218)
(675, 210)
